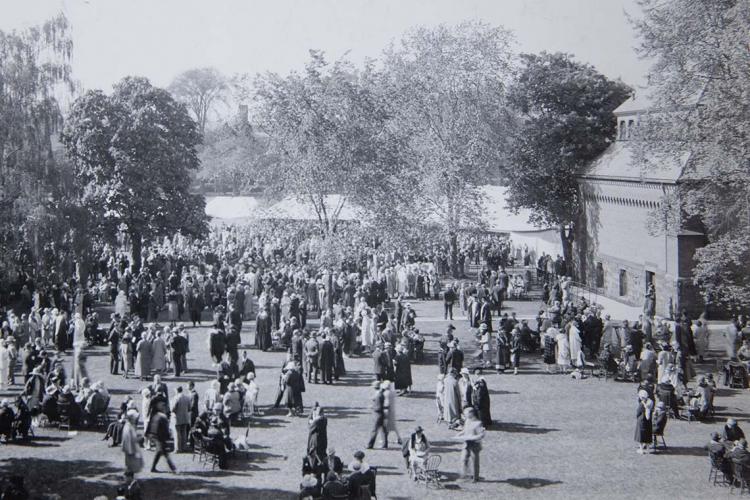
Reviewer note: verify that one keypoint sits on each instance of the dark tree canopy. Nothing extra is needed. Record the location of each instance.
(133, 152)
(567, 122)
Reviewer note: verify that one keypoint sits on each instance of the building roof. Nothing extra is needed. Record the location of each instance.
(231, 207)
(617, 163)
(639, 102)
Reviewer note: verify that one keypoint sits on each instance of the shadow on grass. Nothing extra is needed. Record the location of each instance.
(527, 483)
(91, 478)
(693, 451)
(515, 427)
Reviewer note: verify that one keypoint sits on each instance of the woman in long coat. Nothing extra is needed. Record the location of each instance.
(563, 351)
(317, 437)
(159, 354)
(480, 400)
(126, 353)
(574, 340)
(143, 357)
(263, 331)
(292, 389)
(451, 398)
(550, 343)
(130, 446)
(403, 371)
(643, 435)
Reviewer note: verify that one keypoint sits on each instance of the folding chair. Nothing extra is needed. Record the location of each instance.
(429, 473)
(715, 471)
(740, 477)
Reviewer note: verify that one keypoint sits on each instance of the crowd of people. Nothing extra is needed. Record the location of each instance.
(362, 307)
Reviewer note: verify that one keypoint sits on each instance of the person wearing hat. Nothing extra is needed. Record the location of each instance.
(312, 357)
(332, 462)
(334, 487)
(7, 417)
(739, 454)
(416, 451)
(455, 357)
(732, 432)
(644, 429)
(129, 443)
(379, 404)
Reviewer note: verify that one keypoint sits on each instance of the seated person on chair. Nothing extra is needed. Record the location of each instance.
(6, 420)
(732, 431)
(216, 442)
(719, 455)
(418, 450)
(659, 421)
(334, 487)
(665, 392)
(739, 454)
(68, 407)
(23, 418)
(309, 487)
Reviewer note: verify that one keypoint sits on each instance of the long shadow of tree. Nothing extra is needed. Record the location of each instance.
(85, 479)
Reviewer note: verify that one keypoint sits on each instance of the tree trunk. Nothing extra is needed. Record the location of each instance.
(330, 290)
(82, 269)
(454, 255)
(136, 247)
(567, 247)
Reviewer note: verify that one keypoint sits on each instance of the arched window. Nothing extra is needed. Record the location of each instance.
(599, 275)
(631, 128)
(622, 130)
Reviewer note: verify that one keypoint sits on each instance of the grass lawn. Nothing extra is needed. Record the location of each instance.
(554, 437)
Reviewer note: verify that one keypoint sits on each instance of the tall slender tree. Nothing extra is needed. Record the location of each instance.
(200, 89)
(448, 89)
(34, 69)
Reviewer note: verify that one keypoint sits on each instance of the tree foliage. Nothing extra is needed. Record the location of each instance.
(329, 133)
(567, 122)
(200, 89)
(700, 88)
(448, 90)
(34, 69)
(133, 151)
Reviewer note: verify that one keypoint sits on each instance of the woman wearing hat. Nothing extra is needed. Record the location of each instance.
(130, 446)
(643, 428)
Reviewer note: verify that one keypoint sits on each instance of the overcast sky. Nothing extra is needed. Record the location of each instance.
(159, 38)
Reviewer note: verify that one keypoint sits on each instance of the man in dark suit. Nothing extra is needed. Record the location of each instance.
(449, 298)
(455, 357)
(158, 431)
(485, 313)
(332, 462)
(380, 361)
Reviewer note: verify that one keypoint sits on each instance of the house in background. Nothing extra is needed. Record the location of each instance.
(618, 255)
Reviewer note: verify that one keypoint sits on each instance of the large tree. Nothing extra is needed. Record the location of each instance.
(200, 89)
(567, 122)
(448, 90)
(700, 87)
(329, 134)
(34, 69)
(133, 151)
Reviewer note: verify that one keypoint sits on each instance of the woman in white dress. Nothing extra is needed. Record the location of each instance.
(401, 275)
(285, 305)
(4, 363)
(251, 393)
(368, 329)
(700, 336)
(563, 352)
(574, 339)
(121, 303)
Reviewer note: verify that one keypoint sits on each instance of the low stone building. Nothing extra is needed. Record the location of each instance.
(620, 247)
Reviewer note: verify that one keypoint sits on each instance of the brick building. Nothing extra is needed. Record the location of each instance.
(619, 253)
